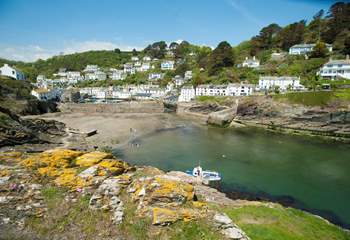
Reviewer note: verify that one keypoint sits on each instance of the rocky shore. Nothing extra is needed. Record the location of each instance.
(264, 112)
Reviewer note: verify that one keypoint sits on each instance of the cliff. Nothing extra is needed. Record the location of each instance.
(67, 194)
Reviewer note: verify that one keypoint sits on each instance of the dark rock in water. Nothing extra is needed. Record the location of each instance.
(16, 131)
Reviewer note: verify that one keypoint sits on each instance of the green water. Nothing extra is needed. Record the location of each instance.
(316, 175)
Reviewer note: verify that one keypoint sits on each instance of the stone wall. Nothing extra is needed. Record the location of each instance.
(121, 107)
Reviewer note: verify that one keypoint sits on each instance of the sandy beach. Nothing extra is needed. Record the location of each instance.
(115, 129)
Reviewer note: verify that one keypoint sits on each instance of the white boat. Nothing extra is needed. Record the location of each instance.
(206, 175)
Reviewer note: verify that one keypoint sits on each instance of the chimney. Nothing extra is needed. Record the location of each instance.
(253, 57)
(347, 56)
(246, 58)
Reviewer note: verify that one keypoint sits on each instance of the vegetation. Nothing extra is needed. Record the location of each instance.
(265, 223)
(321, 98)
(220, 64)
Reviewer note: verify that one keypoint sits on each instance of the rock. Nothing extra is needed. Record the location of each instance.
(222, 220)
(109, 186)
(89, 172)
(95, 201)
(222, 118)
(92, 158)
(112, 167)
(5, 220)
(228, 228)
(166, 216)
(56, 158)
(5, 199)
(162, 191)
(163, 216)
(4, 180)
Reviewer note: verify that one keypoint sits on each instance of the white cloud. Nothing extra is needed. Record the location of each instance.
(31, 53)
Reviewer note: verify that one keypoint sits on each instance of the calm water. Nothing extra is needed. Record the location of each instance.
(316, 176)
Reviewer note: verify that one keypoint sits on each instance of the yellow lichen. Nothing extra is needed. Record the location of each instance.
(167, 187)
(92, 158)
(68, 178)
(49, 171)
(58, 158)
(112, 167)
(5, 173)
(9, 156)
(198, 204)
(164, 216)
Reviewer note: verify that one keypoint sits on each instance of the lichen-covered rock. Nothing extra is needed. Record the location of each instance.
(57, 158)
(10, 156)
(92, 158)
(112, 167)
(166, 216)
(162, 192)
(69, 178)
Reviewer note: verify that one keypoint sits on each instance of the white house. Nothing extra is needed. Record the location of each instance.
(336, 69)
(134, 59)
(239, 89)
(187, 94)
(178, 80)
(98, 75)
(284, 83)
(74, 75)
(188, 75)
(146, 59)
(167, 65)
(45, 94)
(117, 74)
(300, 49)
(145, 66)
(91, 68)
(155, 76)
(11, 72)
(129, 68)
(211, 90)
(251, 62)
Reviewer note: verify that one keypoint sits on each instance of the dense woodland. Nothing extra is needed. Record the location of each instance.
(219, 65)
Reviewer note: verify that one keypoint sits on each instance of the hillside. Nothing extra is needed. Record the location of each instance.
(220, 64)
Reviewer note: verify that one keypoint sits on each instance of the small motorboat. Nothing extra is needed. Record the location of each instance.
(206, 175)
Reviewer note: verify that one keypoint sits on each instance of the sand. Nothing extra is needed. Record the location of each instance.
(114, 129)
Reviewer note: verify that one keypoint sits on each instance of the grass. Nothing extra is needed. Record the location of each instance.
(213, 99)
(320, 98)
(196, 230)
(265, 223)
(70, 220)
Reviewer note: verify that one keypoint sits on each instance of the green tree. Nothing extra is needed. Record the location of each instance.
(291, 35)
(222, 56)
(320, 50)
(156, 50)
(346, 49)
(265, 39)
(338, 20)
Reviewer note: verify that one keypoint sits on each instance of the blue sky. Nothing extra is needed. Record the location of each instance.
(32, 29)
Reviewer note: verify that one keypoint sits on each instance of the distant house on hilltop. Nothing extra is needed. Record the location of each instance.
(301, 49)
(11, 72)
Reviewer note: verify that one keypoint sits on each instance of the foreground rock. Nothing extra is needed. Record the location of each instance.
(228, 228)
